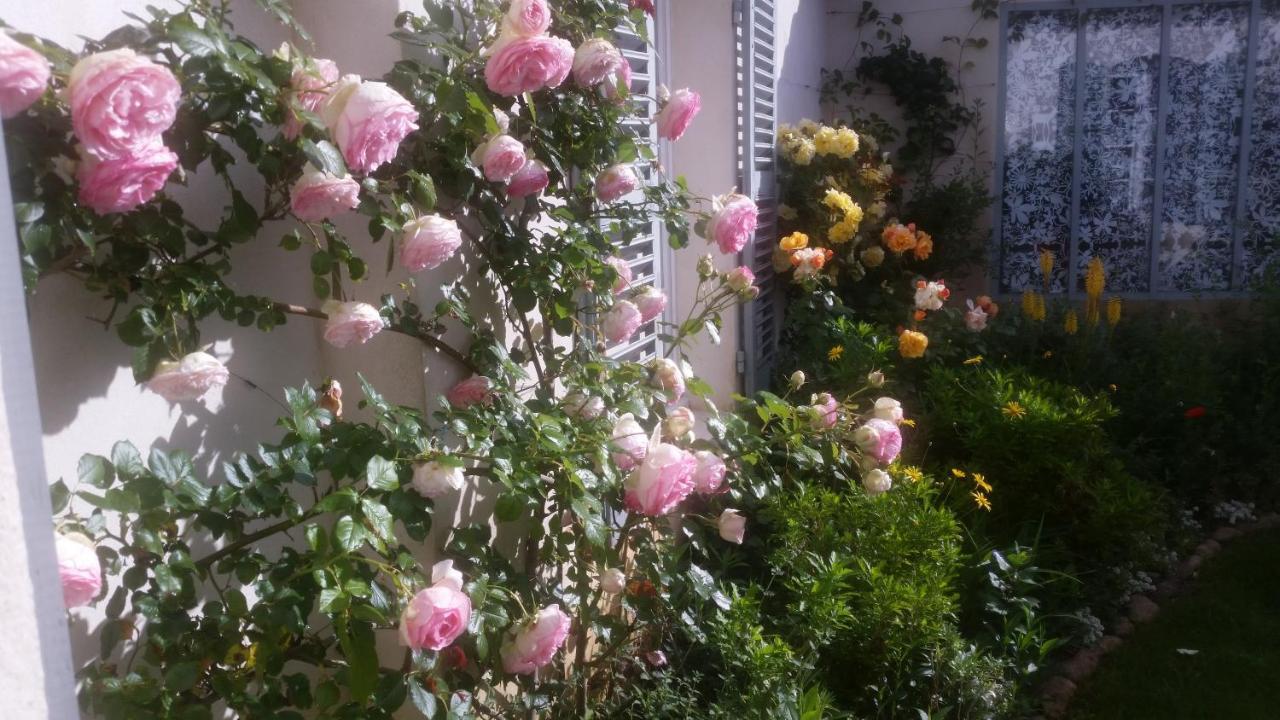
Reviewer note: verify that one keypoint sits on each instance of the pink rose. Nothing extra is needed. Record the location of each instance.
(428, 241)
(615, 182)
(733, 222)
(121, 102)
(667, 375)
(881, 439)
(368, 121)
(120, 184)
(976, 318)
(434, 478)
(629, 442)
(732, 526)
(656, 658)
(188, 379)
(613, 581)
(528, 64)
(678, 113)
(350, 322)
(621, 267)
(621, 79)
(501, 157)
(79, 569)
(740, 279)
(826, 411)
(709, 477)
(437, 615)
(622, 321)
(651, 302)
(531, 179)
(473, 390)
(318, 195)
(526, 18)
(645, 5)
(595, 61)
(24, 75)
(535, 641)
(662, 480)
(310, 84)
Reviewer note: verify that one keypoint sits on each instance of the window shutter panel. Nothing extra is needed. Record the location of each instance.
(756, 76)
(646, 253)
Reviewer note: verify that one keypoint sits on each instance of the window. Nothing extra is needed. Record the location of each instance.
(761, 318)
(648, 254)
(1145, 133)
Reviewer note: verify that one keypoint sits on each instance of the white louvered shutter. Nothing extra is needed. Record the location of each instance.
(756, 75)
(646, 254)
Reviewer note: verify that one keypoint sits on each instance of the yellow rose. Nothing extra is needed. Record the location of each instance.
(826, 140)
(846, 143)
(912, 344)
(794, 241)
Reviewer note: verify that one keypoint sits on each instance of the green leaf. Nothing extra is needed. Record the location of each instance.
(510, 507)
(324, 156)
(181, 677)
(333, 600)
(381, 474)
(421, 698)
(348, 533)
(362, 659)
(379, 517)
(59, 496)
(127, 461)
(166, 581)
(193, 40)
(344, 499)
(96, 471)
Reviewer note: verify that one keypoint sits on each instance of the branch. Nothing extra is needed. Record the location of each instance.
(430, 341)
(205, 562)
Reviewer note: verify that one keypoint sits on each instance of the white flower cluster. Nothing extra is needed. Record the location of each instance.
(1134, 582)
(1091, 628)
(1234, 511)
(1187, 519)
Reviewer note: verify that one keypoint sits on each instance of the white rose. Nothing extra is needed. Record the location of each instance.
(888, 409)
(877, 482)
(613, 581)
(433, 479)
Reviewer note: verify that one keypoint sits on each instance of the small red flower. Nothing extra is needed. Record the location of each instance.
(1197, 411)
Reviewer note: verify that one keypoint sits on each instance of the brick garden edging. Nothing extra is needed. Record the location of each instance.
(1057, 691)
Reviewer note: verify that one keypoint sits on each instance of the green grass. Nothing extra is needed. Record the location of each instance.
(1232, 617)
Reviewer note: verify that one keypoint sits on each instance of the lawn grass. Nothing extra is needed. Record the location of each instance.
(1232, 617)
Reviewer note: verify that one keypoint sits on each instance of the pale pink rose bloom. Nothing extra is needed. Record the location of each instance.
(678, 113)
(629, 442)
(318, 195)
(613, 581)
(120, 184)
(79, 569)
(531, 179)
(528, 64)
(662, 480)
(535, 641)
(651, 302)
(656, 658)
(501, 157)
(433, 478)
(428, 241)
(740, 278)
(310, 84)
(930, 295)
(886, 408)
(616, 182)
(121, 102)
(437, 615)
(473, 390)
(667, 375)
(976, 318)
(679, 422)
(732, 526)
(351, 322)
(24, 75)
(645, 5)
(708, 479)
(624, 273)
(826, 411)
(733, 222)
(596, 61)
(526, 18)
(620, 79)
(621, 322)
(881, 439)
(877, 482)
(583, 407)
(189, 378)
(368, 121)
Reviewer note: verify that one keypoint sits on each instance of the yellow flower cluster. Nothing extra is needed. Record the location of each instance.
(1046, 267)
(1033, 306)
(842, 142)
(981, 488)
(1071, 324)
(912, 344)
(844, 229)
(1113, 311)
(800, 145)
